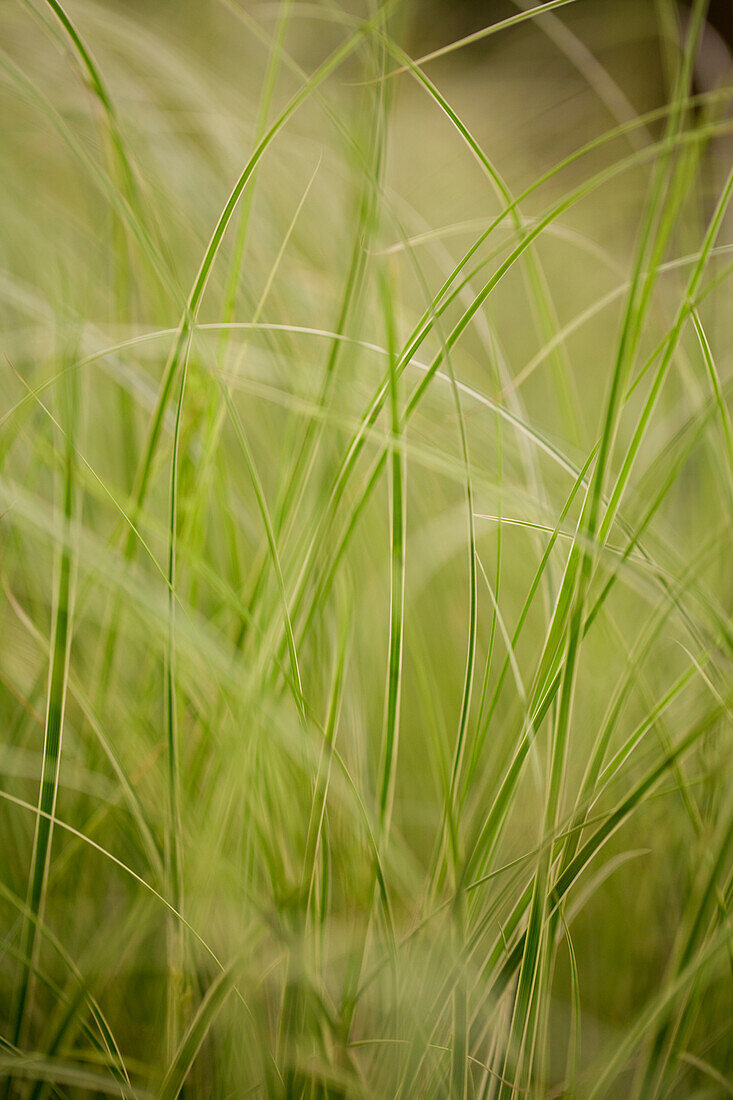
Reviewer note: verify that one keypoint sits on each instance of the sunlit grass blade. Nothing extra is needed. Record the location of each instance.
(61, 636)
(398, 522)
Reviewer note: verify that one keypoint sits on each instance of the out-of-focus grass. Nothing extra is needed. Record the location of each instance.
(366, 489)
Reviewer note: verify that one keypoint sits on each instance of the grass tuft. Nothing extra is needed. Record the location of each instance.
(366, 490)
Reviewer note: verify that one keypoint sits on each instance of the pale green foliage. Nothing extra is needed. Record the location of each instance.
(366, 482)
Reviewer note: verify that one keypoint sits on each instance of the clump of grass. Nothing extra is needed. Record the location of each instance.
(367, 482)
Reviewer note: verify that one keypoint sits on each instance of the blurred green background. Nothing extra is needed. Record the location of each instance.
(299, 625)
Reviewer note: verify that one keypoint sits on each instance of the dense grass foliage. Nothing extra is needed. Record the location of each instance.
(366, 493)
